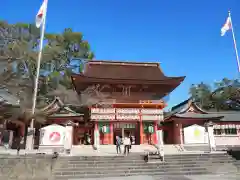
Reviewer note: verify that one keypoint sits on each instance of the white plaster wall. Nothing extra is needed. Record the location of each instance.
(227, 139)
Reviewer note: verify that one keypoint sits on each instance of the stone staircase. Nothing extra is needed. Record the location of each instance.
(133, 165)
(178, 166)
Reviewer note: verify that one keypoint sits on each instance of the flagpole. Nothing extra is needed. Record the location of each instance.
(234, 42)
(38, 64)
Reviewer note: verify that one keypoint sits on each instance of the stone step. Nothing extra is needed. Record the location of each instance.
(187, 161)
(30, 178)
(196, 147)
(102, 161)
(161, 176)
(140, 157)
(149, 166)
(146, 166)
(150, 160)
(198, 155)
(89, 163)
(142, 160)
(194, 158)
(237, 162)
(112, 174)
(133, 156)
(159, 163)
(119, 174)
(194, 161)
(200, 177)
(106, 171)
(152, 165)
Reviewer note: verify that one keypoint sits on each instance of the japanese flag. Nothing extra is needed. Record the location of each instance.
(41, 14)
(227, 26)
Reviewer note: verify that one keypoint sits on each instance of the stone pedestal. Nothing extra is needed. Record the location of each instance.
(96, 139)
(211, 139)
(68, 138)
(160, 143)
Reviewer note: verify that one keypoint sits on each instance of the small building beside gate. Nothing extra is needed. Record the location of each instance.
(186, 124)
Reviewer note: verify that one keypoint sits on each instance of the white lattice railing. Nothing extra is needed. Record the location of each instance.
(152, 111)
(127, 116)
(227, 126)
(126, 113)
(152, 117)
(128, 110)
(103, 116)
(103, 110)
(227, 140)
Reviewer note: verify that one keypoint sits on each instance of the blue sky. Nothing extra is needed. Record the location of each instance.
(183, 36)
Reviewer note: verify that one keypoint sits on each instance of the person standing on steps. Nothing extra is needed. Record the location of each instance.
(127, 144)
(118, 144)
(131, 141)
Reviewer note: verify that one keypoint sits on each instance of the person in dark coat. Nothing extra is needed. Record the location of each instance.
(131, 141)
(118, 144)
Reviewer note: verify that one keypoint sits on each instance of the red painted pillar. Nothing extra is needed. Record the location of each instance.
(141, 129)
(111, 133)
(155, 132)
(95, 125)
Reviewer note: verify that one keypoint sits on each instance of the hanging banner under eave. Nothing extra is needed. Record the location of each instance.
(150, 129)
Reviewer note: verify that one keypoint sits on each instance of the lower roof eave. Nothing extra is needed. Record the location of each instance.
(231, 121)
(65, 117)
(193, 118)
(125, 121)
(167, 80)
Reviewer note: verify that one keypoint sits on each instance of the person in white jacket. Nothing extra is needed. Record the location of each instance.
(126, 143)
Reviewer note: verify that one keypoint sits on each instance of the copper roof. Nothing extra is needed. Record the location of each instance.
(115, 72)
(123, 70)
(188, 109)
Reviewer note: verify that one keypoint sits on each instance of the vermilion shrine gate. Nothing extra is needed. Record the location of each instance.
(125, 98)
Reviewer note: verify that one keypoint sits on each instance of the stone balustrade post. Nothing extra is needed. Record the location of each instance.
(68, 142)
(160, 143)
(211, 138)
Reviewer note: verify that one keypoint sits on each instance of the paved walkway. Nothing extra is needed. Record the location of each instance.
(91, 153)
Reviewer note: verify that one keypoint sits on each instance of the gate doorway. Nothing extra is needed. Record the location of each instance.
(127, 129)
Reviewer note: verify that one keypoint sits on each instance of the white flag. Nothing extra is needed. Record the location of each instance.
(41, 14)
(227, 26)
